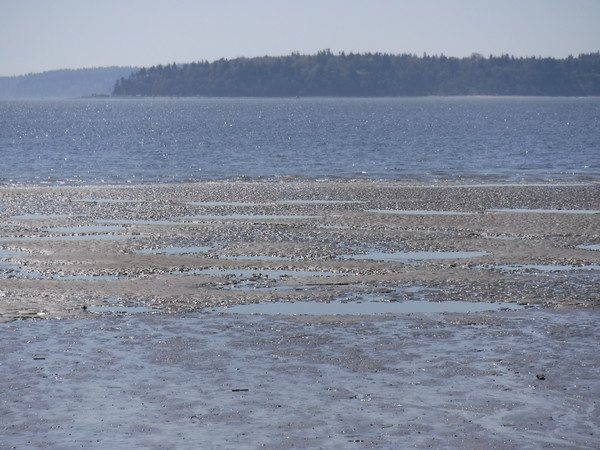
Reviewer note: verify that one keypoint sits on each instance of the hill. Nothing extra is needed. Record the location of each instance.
(63, 83)
(328, 74)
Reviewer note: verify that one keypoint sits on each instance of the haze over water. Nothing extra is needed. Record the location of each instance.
(116, 141)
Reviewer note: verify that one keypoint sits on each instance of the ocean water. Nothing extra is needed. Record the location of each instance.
(147, 140)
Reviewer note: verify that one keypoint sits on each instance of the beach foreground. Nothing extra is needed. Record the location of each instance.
(504, 380)
(526, 378)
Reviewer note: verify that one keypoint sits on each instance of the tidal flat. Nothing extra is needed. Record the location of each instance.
(144, 356)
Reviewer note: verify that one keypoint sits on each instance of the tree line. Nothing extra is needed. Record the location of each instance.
(369, 75)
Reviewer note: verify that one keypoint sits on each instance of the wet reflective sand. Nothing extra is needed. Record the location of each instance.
(145, 357)
(506, 379)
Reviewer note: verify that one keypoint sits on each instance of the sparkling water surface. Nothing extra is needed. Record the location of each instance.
(115, 141)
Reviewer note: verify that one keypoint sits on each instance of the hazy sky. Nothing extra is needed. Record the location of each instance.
(41, 35)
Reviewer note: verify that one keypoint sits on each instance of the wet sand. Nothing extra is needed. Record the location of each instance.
(505, 379)
(299, 226)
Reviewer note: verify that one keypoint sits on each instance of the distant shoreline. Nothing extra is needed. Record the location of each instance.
(322, 75)
(369, 75)
(58, 84)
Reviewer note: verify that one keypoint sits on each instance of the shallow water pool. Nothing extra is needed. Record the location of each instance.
(411, 256)
(84, 229)
(590, 246)
(546, 211)
(247, 217)
(119, 309)
(422, 212)
(534, 268)
(340, 307)
(260, 273)
(176, 250)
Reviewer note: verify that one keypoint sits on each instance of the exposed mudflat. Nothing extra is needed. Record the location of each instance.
(65, 248)
(503, 380)
(179, 374)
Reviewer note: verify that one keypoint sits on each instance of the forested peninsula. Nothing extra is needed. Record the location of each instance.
(368, 75)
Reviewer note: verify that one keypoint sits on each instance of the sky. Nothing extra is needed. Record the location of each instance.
(42, 35)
